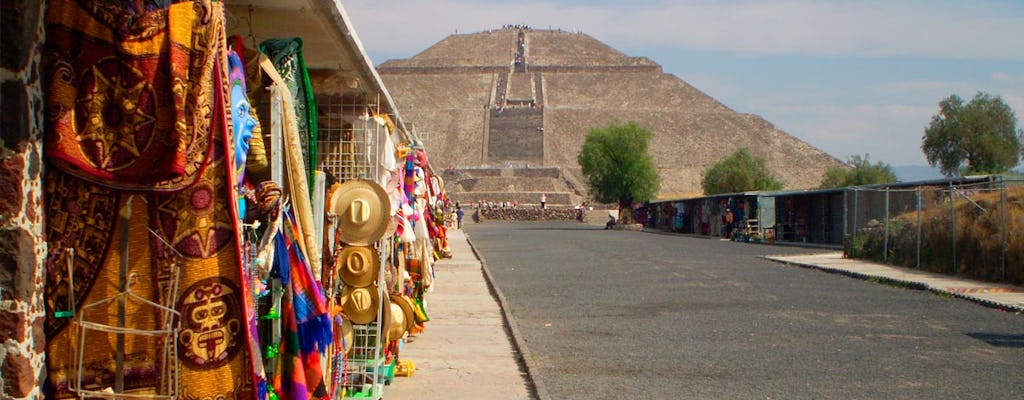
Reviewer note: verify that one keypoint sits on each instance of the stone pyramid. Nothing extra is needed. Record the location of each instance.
(496, 103)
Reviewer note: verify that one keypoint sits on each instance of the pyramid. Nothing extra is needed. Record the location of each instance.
(492, 105)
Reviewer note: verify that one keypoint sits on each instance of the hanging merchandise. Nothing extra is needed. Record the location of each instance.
(358, 265)
(286, 56)
(361, 207)
(127, 96)
(114, 123)
(306, 324)
(283, 112)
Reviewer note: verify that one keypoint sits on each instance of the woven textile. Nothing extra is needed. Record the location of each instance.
(123, 107)
(191, 230)
(286, 55)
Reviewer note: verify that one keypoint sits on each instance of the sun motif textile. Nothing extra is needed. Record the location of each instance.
(125, 103)
(191, 231)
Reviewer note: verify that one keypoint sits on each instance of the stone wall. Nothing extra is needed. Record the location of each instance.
(22, 246)
(525, 214)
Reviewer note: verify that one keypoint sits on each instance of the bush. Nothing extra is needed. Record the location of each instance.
(978, 238)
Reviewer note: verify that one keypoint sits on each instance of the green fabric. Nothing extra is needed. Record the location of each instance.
(286, 54)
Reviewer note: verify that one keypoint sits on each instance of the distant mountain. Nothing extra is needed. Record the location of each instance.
(911, 173)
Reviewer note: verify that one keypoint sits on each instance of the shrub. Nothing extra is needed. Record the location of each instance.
(978, 237)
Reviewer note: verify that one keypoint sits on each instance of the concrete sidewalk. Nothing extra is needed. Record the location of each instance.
(466, 352)
(1001, 296)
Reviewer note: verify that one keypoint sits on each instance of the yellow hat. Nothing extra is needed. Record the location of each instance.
(363, 209)
(358, 265)
(361, 304)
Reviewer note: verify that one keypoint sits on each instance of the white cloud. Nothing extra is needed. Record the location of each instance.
(1017, 104)
(1008, 77)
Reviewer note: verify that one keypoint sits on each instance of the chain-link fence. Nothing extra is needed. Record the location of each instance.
(973, 229)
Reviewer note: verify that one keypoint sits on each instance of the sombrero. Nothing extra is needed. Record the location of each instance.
(358, 265)
(344, 333)
(397, 322)
(408, 309)
(362, 208)
(361, 304)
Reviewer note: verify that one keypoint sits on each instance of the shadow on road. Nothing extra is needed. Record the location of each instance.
(999, 340)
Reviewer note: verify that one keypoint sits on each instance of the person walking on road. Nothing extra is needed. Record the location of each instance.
(458, 216)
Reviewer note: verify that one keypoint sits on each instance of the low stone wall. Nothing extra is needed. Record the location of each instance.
(525, 214)
(548, 172)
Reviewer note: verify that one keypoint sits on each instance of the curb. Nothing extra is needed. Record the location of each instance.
(906, 284)
(537, 389)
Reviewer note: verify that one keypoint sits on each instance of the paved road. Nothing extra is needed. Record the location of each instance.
(613, 314)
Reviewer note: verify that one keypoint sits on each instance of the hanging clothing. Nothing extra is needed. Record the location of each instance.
(284, 120)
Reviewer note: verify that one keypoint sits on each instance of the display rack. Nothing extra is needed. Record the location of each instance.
(366, 367)
(349, 143)
(348, 136)
(165, 338)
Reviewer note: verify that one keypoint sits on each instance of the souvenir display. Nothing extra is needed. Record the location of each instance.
(163, 197)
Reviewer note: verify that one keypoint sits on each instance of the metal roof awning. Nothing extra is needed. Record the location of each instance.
(330, 44)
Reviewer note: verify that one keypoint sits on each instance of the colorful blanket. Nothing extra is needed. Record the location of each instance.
(190, 231)
(123, 109)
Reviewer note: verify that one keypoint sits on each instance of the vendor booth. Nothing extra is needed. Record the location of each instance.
(235, 207)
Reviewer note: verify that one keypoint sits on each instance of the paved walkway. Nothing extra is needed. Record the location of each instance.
(1002, 296)
(465, 352)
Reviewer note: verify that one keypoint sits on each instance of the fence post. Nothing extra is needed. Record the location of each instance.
(853, 241)
(846, 219)
(885, 239)
(952, 219)
(1002, 217)
(918, 227)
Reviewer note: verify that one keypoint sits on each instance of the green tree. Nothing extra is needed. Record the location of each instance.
(980, 137)
(739, 172)
(618, 167)
(860, 172)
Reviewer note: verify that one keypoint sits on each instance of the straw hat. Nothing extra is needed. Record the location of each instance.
(408, 309)
(344, 326)
(358, 265)
(397, 322)
(363, 208)
(361, 304)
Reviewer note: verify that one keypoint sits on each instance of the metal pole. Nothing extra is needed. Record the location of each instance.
(1002, 217)
(125, 218)
(846, 216)
(952, 219)
(918, 227)
(853, 247)
(885, 239)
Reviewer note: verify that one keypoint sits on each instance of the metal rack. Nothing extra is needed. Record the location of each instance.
(348, 136)
(366, 361)
(349, 144)
(164, 337)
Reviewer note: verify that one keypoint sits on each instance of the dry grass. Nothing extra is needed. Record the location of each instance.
(975, 240)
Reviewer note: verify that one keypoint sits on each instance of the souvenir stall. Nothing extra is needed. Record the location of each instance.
(233, 210)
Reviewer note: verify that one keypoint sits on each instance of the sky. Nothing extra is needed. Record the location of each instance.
(848, 77)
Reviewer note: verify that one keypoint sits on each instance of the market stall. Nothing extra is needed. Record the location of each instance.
(235, 206)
